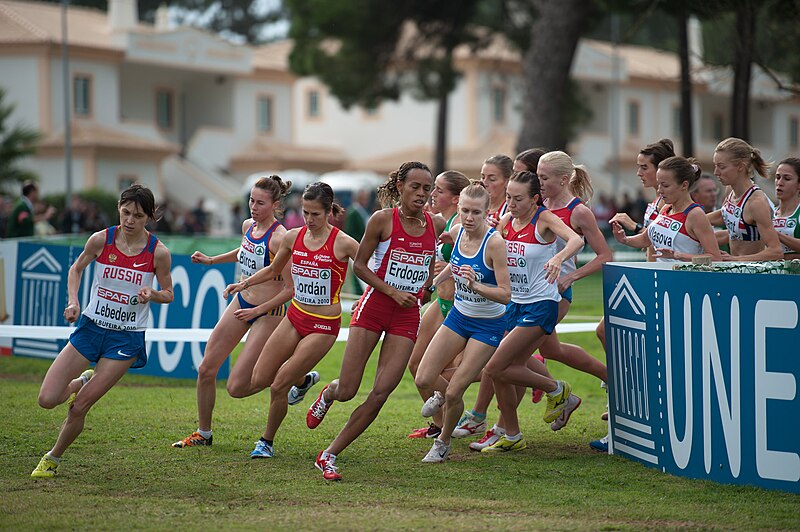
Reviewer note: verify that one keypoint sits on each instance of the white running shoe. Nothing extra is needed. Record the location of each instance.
(438, 453)
(433, 404)
(297, 393)
(573, 402)
(469, 425)
(491, 437)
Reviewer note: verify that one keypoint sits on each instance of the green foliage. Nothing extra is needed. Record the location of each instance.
(356, 49)
(777, 35)
(16, 142)
(239, 18)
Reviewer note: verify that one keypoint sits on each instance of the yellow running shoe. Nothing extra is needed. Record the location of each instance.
(47, 468)
(557, 403)
(504, 445)
(85, 376)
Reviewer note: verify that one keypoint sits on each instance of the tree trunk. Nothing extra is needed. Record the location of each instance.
(441, 136)
(546, 70)
(742, 68)
(687, 132)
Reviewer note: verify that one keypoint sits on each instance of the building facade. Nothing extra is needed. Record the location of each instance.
(192, 115)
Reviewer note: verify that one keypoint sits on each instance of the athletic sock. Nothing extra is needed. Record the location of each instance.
(268, 442)
(516, 437)
(327, 456)
(557, 391)
(205, 433)
(55, 459)
(477, 416)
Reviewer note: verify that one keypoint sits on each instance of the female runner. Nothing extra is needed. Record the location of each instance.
(319, 253)
(110, 331)
(444, 200)
(647, 165)
(534, 266)
(787, 217)
(495, 173)
(746, 211)
(262, 235)
(476, 323)
(681, 230)
(401, 242)
(474, 421)
(565, 188)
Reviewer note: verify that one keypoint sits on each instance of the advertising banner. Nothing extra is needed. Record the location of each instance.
(703, 371)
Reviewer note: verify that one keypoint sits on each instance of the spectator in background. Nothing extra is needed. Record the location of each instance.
(293, 218)
(628, 205)
(705, 192)
(42, 226)
(5, 213)
(200, 216)
(22, 219)
(166, 220)
(603, 210)
(74, 218)
(641, 205)
(355, 224)
(95, 220)
(191, 225)
(236, 218)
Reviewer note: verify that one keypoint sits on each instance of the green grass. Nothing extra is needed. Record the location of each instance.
(121, 472)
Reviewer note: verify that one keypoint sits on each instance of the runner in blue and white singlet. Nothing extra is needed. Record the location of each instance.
(467, 301)
(476, 323)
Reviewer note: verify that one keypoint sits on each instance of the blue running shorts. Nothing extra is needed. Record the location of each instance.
(95, 342)
(541, 313)
(486, 330)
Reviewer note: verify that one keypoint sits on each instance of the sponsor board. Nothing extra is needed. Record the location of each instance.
(703, 373)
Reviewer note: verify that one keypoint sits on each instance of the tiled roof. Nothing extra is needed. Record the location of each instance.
(269, 150)
(89, 134)
(39, 22)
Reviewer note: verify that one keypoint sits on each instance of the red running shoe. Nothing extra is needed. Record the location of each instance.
(329, 471)
(316, 413)
(536, 394)
(431, 431)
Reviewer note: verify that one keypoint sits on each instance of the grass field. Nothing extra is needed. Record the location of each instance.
(121, 472)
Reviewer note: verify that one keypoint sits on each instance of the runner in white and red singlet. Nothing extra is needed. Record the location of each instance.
(110, 332)
(746, 212)
(647, 164)
(319, 253)
(396, 260)
(565, 188)
(534, 265)
(681, 230)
